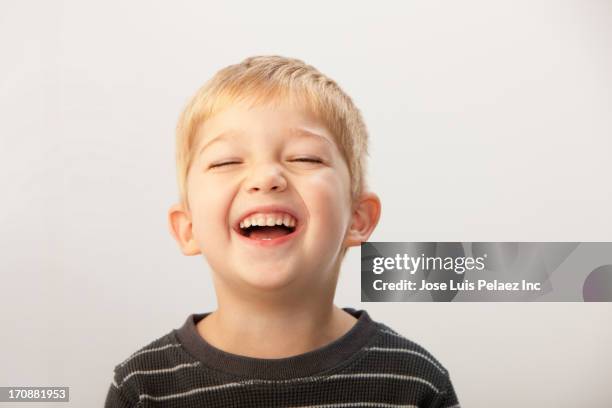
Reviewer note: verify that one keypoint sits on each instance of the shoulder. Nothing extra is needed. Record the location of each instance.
(392, 342)
(162, 350)
(137, 374)
(403, 359)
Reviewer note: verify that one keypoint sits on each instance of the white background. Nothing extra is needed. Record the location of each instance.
(489, 121)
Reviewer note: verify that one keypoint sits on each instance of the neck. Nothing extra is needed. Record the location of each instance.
(261, 331)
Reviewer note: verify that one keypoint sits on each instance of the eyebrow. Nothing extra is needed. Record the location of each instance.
(295, 132)
(222, 136)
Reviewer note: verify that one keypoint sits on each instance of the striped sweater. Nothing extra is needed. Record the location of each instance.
(369, 366)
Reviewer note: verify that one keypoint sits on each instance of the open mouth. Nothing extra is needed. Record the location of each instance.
(257, 232)
(268, 226)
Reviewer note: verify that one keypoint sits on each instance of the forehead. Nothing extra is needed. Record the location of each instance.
(240, 121)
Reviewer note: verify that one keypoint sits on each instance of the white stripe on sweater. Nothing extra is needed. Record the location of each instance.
(160, 371)
(148, 351)
(358, 404)
(251, 382)
(402, 350)
(382, 375)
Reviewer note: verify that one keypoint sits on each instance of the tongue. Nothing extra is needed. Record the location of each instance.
(268, 232)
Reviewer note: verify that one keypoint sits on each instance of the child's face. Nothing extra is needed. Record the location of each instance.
(266, 152)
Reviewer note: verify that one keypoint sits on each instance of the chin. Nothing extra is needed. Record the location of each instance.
(268, 278)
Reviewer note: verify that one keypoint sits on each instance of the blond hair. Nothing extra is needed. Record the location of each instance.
(265, 79)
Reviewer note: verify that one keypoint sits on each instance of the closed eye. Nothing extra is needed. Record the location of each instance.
(301, 159)
(307, 159)
(222, 164)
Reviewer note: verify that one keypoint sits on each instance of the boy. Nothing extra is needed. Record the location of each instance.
(271, 157)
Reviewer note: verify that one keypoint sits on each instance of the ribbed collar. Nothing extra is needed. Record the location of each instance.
(302, 365)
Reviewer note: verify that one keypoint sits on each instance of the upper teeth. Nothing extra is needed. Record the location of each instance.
(268, 220)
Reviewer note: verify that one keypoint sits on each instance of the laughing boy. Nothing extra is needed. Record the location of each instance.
(271, 174)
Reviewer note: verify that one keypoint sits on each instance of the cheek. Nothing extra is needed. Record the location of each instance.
(326, 198)
(210, 212)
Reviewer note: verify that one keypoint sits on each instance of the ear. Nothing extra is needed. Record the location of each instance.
(366, 213)
(179, 221)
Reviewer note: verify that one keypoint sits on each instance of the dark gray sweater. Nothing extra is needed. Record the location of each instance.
(370, 366)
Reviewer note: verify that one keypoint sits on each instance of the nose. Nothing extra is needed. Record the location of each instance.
(266, 178)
